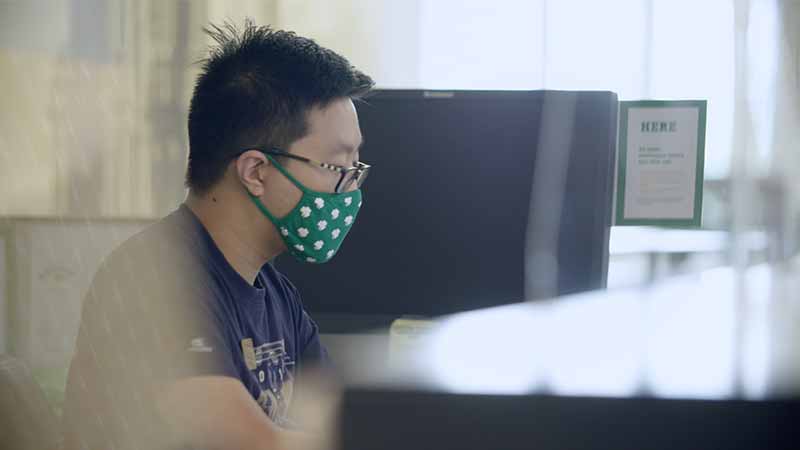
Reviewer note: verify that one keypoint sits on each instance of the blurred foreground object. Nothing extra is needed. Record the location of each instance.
(682, 364)
(27, 421)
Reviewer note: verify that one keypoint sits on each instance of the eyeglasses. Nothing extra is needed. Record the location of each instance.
(349, 177)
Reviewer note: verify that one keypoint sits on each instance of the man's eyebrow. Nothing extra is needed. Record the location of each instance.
(347, 147)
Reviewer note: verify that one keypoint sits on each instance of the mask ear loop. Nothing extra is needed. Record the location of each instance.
(261, 206)
(289, 176)
(257, 201)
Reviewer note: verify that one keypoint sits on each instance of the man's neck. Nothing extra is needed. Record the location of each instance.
(245, 245)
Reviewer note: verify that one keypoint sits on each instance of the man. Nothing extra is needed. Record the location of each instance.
(189, 337)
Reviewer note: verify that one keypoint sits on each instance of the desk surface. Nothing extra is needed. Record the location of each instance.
(632, 240)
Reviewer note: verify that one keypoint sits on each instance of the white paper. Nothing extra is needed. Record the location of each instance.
(661, 163)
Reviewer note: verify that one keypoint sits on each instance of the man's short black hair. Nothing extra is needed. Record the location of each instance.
(255, 89)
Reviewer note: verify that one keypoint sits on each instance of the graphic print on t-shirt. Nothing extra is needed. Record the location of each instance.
(271, 366)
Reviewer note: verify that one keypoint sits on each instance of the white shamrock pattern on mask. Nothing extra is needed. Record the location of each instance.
(348, 220)
(284, 231)
(319, 202)
(348, 200)
(305, 211)
(321, 225)
(335, 233)
(335, 213)
(299, 247)
(330, 253)
(318, 245)
(302, 232)
(359, 204)
(310, 259)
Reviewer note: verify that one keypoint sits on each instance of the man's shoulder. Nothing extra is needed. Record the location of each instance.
(146, 260)
(151, 281)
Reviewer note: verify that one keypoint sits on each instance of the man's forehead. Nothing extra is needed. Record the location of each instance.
(337, 124)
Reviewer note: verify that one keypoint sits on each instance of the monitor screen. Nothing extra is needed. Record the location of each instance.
(474, 199)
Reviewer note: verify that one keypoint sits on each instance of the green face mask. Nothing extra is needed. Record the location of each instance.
(316, 227)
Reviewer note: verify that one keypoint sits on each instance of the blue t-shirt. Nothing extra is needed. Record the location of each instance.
(167, 305)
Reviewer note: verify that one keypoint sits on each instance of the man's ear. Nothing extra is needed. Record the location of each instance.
(249, 167)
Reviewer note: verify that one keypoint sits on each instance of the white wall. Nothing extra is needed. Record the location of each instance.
(54, 263)
(379, 37)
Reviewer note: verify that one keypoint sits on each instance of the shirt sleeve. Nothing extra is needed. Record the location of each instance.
(161, 320)
(193, 337)
(191, 326)
(313, 352)
(139, 330)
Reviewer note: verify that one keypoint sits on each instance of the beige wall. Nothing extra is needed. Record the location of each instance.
(83, 137)
(27, 160)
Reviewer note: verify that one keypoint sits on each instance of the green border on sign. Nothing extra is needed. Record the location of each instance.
(622, 146)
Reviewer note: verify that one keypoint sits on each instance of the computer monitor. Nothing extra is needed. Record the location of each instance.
(475, 199)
